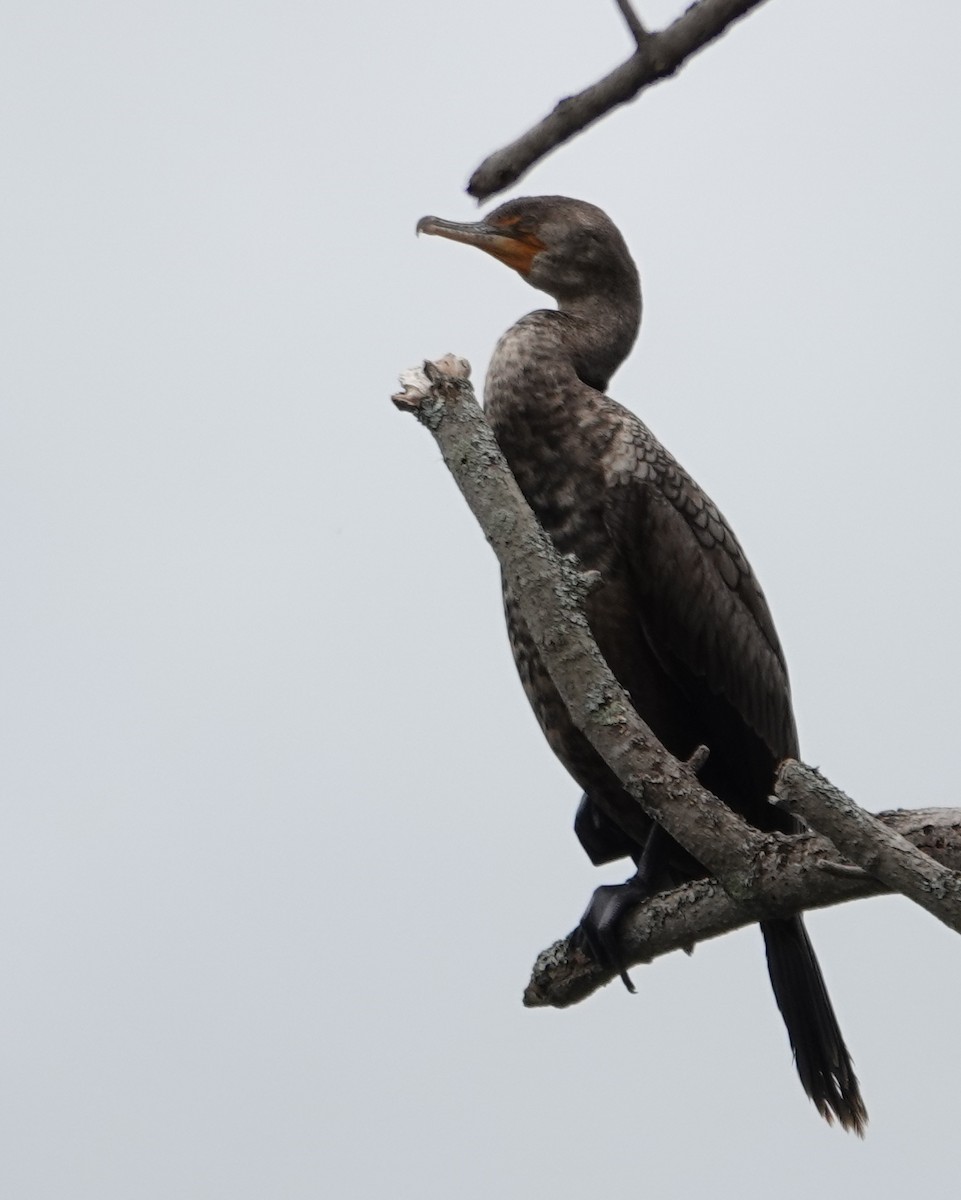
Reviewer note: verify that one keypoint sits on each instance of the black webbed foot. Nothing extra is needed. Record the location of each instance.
(598, 932)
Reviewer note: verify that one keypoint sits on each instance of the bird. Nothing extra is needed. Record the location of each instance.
(676, 611)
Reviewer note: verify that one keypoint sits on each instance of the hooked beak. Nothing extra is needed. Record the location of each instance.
(508, 246)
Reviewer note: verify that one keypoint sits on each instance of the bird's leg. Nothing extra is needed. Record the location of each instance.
(601, 838)
(599, 926)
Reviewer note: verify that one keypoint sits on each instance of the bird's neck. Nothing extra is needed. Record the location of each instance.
(542, 391)
(539, 362)
(544, 400)
(599, 331)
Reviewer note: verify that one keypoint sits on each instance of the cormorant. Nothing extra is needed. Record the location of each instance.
(678, 614)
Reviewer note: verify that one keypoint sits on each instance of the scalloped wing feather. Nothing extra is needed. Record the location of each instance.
(702, 608)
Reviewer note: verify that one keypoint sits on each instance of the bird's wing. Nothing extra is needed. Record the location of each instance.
(703, 612)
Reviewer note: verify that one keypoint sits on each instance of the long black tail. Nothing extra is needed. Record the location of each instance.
(823, 1062)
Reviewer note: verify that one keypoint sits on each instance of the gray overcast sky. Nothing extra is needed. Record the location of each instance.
(279, 838)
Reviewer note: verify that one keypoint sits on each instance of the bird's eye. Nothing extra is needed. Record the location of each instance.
(522, 226)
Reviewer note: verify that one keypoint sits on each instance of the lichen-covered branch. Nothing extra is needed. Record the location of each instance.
(755, 875)
(549, 590)
(657, 56)
(793, 874)
(876, 846)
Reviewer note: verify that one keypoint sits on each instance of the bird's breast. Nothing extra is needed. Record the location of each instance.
(555, 433)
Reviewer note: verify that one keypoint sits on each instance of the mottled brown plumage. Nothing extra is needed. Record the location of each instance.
(678, 615)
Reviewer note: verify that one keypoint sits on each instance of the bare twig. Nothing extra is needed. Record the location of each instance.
(862, 837)
(658, 55)
(634, 23)
(698, 759)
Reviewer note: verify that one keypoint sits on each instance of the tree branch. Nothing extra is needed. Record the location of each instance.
(762, 875)
(634, 23)
(878, 849)
(550, 590)
(795, 876)
(657, 56)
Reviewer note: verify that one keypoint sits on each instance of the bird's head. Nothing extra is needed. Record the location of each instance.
(567, 248)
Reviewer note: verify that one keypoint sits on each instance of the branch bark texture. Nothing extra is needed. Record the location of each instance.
(793, 874)
(658, 55)
(876, 846)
